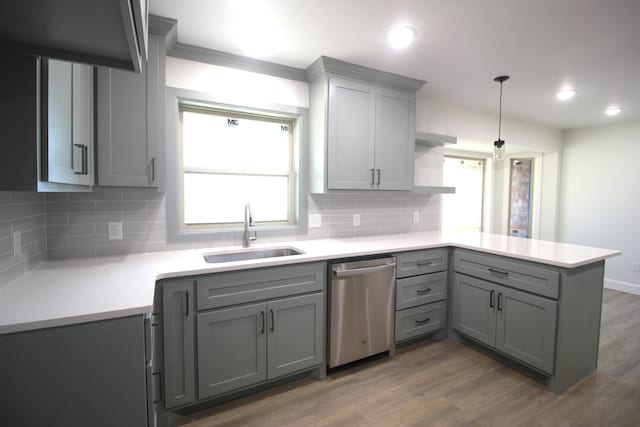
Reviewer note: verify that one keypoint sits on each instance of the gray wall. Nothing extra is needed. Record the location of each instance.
(25, 212)
(77, 223)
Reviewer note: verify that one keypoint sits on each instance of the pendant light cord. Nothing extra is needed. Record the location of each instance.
(500, 114)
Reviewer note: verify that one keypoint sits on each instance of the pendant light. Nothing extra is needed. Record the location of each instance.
(498, 145)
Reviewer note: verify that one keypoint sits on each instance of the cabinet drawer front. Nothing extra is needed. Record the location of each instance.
(421, 262)
(417, 321)
(419, 290)
(238, 287)
(516, 274)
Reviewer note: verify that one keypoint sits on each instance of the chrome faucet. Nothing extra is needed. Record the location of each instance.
(248, 222)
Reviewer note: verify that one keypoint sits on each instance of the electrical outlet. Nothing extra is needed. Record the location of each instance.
(356, 220)
(635, 266)
(416, 216)
(115, 231)
(315, 220)
(17, 243)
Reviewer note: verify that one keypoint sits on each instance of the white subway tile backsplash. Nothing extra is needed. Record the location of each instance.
(24, 212)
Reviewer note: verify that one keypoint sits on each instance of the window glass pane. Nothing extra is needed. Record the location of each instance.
(212, 198)
(254, 145)
(463, 210)
(520, 197)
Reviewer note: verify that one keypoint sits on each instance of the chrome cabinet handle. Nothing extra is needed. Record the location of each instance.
(378, 183)
(424, 263)
(187, 303)
(273, 321)
(492, 294)
(84, 168)
(423, 291)
(262, 317)
(153, 169)
(373, 175)
(493, 270)
(500, 301)
(423, 321)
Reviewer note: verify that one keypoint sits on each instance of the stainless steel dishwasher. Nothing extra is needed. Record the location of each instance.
(362, 309)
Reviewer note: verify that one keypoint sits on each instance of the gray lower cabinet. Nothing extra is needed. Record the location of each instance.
(421, 293)
(129, 122)
(228, 331)
(246, 345)
(232, 349)
(515, 323)
(178, 314)
(87, 374)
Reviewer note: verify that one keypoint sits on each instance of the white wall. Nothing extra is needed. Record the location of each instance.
(476, 131)
(237, 87)
(600, 201)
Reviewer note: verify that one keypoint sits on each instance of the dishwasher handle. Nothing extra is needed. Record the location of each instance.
(355, 271)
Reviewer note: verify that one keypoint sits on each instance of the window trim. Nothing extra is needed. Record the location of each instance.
(290, 175)
(300, 159)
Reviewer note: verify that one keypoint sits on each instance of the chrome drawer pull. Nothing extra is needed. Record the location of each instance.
(423, 291)
(423, 321)
(493, 270)
(424, 263)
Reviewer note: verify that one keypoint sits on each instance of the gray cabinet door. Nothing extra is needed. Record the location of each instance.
(295, 334)
(232, 345)
(127, 123)
(474, 308)
(178, 335)
(57, 153)
(526, 327)
(395, 139)
(351, 135)
(83, 141)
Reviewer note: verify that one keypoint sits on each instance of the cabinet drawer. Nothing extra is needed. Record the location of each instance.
(418, 290)
(421, 262)
(238, 287)
(416, 321)
(516, 274)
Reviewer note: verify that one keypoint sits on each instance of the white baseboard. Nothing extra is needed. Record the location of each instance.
(631, 288)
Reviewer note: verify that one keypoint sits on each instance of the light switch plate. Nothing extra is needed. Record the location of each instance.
(115, 231)
(635, 266)
(356, 220)
(315, 220)
(416, 216)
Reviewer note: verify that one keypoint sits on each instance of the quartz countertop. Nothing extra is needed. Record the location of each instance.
(81, 290)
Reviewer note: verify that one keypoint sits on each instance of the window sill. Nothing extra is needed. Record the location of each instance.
(268, 232)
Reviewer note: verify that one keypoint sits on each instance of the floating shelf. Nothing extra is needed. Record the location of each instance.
(433, 189)
(434, 139)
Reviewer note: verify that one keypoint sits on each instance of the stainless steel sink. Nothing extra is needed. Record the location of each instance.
(250, 254)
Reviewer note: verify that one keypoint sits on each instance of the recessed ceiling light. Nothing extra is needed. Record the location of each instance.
(401, 37)
(613, 111)
(565, 94)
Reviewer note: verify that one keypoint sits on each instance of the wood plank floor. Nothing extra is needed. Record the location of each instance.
(446, 383)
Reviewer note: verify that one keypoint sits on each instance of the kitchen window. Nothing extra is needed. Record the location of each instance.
(230, 158)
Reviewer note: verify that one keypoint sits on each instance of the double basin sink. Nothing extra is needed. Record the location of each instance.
(249, 254)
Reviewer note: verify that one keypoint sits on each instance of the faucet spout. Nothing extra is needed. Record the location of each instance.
(248, 222)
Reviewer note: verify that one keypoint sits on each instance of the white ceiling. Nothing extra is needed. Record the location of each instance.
(461, 45)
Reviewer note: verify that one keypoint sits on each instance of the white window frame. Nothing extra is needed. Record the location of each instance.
(298, 225)
(291, 122)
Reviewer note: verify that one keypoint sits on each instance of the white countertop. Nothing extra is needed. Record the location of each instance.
(82, 290)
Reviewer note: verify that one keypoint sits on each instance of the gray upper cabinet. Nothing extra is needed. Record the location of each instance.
(395, 146)
(362, 127)
(351, 141)
(67, 131)
(178, 314)
(129, 122)
(46, 114)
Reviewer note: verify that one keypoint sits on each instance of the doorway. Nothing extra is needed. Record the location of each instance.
(464, 210)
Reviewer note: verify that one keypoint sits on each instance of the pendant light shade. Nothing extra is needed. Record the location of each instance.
(498, 145)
